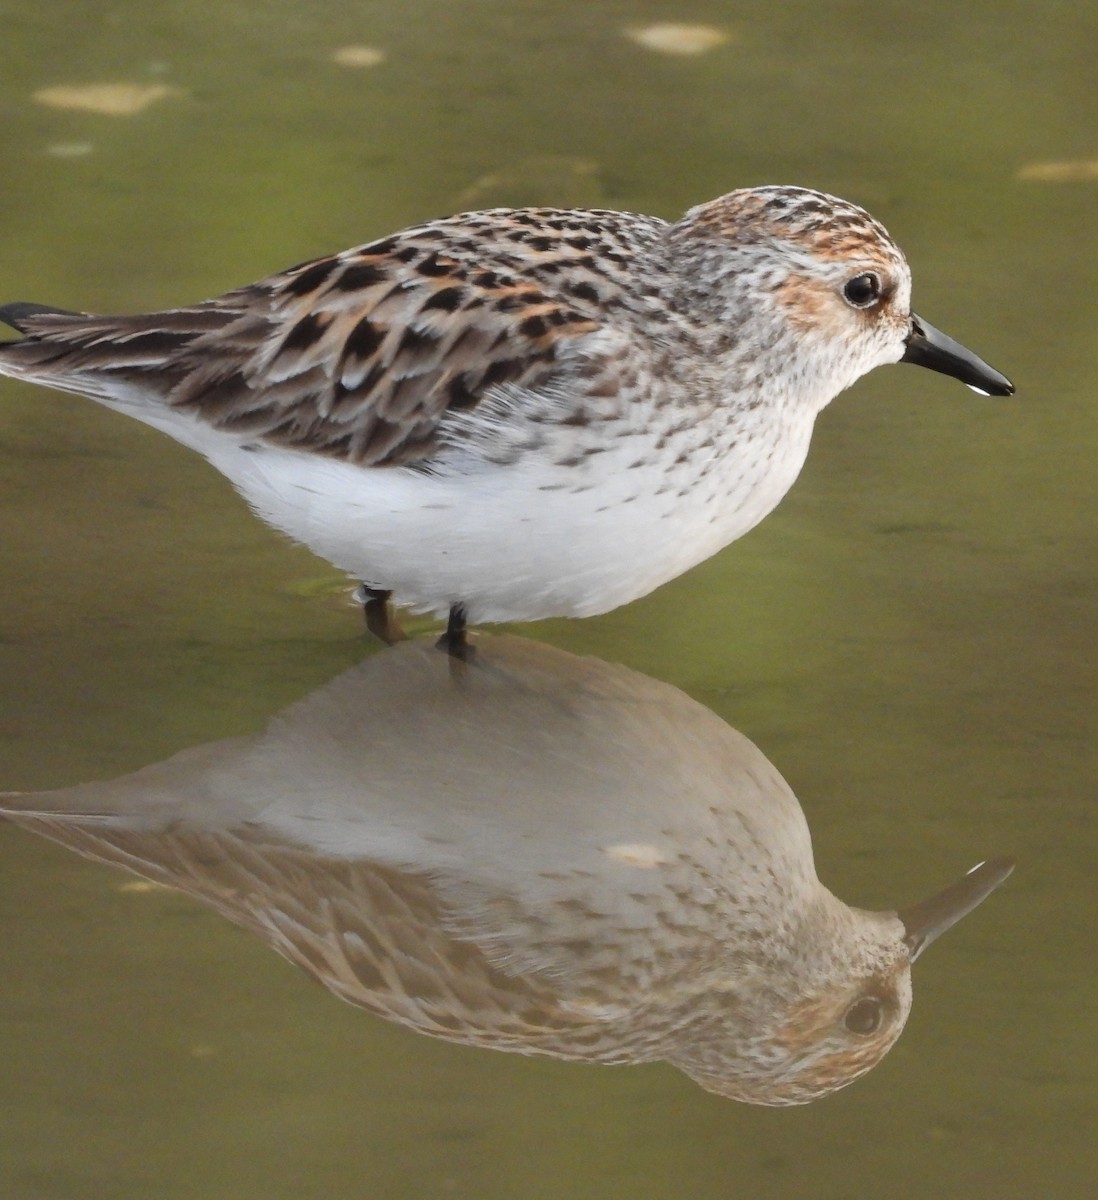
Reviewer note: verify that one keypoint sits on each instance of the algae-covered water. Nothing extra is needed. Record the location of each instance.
(910, 638)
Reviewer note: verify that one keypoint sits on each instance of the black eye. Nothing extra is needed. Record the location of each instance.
(864, 1016)
(863, 290)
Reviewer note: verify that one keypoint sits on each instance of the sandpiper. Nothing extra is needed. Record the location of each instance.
(519, 413)
(539, 853)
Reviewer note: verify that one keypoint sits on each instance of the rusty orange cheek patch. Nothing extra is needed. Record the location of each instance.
(811, 305)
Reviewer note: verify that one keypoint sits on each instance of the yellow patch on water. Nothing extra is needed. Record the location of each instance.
(70, 149)
(358, 56)
(636, 854)
(110, 99)
(556, 179)
(666, 37)
(1082, 170)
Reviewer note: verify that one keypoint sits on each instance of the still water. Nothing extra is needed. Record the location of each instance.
(910, 638)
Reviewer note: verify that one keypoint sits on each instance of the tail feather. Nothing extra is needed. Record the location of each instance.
(97, 356)
(16, 315)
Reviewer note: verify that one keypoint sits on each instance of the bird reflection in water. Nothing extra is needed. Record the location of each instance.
(534, 852)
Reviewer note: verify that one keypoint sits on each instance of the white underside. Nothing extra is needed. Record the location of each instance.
(511, 543)
(524, 541)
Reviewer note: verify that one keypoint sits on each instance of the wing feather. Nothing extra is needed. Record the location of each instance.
(360, 355)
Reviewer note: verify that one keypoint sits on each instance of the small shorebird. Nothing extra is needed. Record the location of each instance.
(543, 854)
(519, 413)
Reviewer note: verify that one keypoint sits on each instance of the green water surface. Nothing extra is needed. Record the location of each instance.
(911, 637)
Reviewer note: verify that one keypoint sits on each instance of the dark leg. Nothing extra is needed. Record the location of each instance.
(453, 641)
(379, 615)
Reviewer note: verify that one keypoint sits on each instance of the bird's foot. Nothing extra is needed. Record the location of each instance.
(454, 641)
(380, 620)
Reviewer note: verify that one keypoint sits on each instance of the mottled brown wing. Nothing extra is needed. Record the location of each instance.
(357, 356)
(374, 936)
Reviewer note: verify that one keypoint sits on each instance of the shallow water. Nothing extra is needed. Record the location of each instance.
(910, 638)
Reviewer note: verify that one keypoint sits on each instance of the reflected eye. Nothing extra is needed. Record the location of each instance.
(864, 1016)
(863, 290)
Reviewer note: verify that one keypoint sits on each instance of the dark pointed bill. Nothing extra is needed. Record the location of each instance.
(929, 347)
(930, 919)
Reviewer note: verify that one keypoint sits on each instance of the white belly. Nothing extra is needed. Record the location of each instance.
(527, 540)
